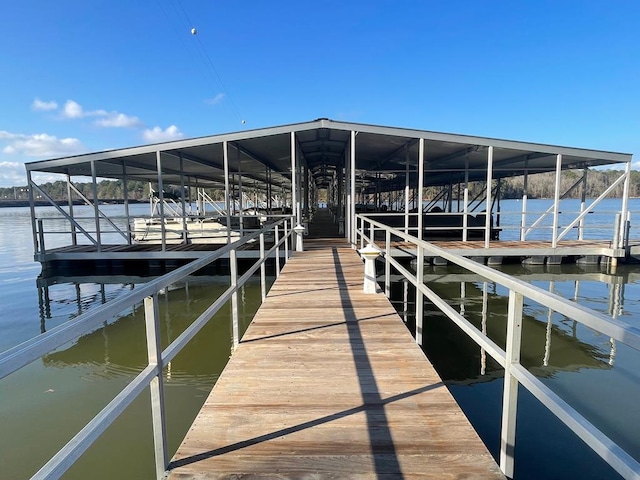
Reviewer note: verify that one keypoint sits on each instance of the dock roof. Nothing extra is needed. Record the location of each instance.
(382, 153)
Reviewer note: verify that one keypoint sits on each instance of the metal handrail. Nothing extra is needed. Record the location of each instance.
(20, 356)
(509, 358)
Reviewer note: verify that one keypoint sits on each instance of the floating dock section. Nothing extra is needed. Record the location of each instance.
(328, 382)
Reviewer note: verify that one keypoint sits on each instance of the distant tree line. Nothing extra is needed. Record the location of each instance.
(541, 185)
(106, 190)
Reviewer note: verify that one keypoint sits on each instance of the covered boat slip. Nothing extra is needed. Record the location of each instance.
(377, 171)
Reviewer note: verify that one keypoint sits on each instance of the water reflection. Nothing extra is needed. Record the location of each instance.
(69, 386)
(586, 368)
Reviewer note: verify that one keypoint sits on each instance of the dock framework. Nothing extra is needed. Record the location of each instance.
(352, 169)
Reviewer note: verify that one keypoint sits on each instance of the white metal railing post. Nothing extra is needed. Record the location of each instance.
(510, 392)
(263, 273)
(233, 267)
(372, 232)
(276, 237)
(156, 387)
(387, 263)
(419, 294)
(286, 241)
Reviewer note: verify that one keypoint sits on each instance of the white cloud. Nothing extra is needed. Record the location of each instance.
(72, 109)
(115, 119)
(40, 145)
(43, 106)
(157, 135)
(12, 173)
(215, 100)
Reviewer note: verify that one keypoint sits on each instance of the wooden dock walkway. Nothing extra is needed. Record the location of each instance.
(327, 382)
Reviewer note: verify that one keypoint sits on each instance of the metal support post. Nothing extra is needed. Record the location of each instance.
(525, 195)
(125, 194)
(465, 201)
(286, 240)
(352, 175)
(233, 267)
(227, 191)
(510, 393)
(156, 387)
(406, 191)
(185, 235)
(263, 273)
(419, 294)
(420, 185)
(96, 209)
(488, 214)
(74, 236)
(387, 264)
(294, 180)
(277, 242)
(556, 202)
(163, 228)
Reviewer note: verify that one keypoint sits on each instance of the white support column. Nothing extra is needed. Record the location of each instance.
(487, 219)
(276, 234)
(525, 196)
(419, 295)
(420, 185)
(227, 190)
(32, 208)
(583, 201)
(465, 206)
(240, 193)
(125, 193)
(156, 387)
(163, 228)
(185, 236)
(510, 393)
(387, 264)
(263, 272)
(625, 206)
(407, 207)
(96, 208)
(556, 202)
(74, 236)
(235, 328)
(294, 169)
(352, 176)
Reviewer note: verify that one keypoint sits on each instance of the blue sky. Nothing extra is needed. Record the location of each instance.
(80, 76)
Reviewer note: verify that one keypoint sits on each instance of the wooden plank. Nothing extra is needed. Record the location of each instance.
(327, 382)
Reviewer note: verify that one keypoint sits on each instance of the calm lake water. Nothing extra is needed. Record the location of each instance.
(45, 404)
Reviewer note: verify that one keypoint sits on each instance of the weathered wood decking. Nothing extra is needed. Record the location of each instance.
(328, 383)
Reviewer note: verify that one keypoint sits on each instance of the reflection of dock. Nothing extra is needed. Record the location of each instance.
(327, 381)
